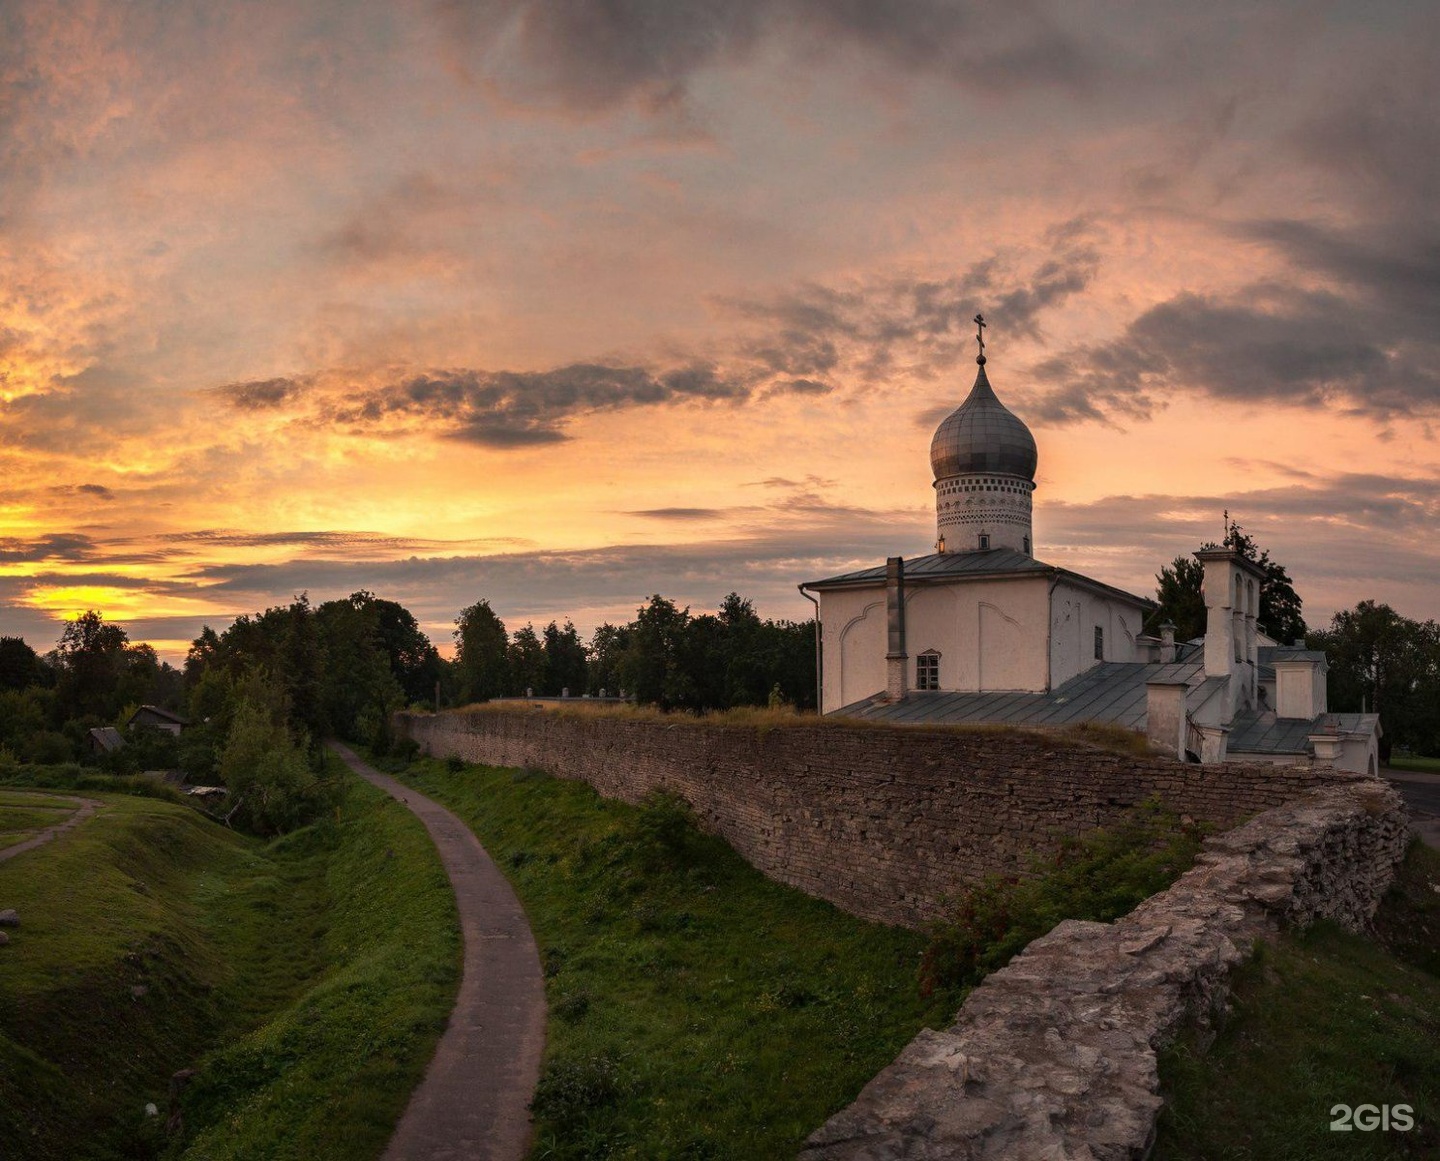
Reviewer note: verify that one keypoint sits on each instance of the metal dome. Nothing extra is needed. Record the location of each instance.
(982, 436)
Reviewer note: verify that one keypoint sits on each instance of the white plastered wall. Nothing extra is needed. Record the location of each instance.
(1074, 613)
(990, 635)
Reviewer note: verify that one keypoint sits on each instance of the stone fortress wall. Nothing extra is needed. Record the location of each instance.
(1055, 1054)
(885, 823)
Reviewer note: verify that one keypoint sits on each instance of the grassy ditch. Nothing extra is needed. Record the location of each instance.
(698, 1009)
(307, 979)
(1320, 1019)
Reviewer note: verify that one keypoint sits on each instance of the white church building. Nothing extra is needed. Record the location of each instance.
(980, 631)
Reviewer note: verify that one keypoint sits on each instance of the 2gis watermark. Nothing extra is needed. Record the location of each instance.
(1369, 1118)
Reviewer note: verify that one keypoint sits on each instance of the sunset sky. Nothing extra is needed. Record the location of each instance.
(563, 304)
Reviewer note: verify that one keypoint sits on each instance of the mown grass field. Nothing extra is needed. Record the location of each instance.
(698, 1009)
(306, 979)
(1321, 1019)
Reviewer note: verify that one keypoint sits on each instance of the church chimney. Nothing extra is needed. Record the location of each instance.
(895, 657)
(1167, 642)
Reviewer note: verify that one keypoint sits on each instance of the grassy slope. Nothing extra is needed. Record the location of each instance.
(1320, 1019)
(103, 911)
(328, 1076)
(228, 936)
(1421, 765)
(698, 1009)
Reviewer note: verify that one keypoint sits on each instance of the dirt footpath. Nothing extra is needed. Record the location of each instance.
(473, 1103)
(84, 808)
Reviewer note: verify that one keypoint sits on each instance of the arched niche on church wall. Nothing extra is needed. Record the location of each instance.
(863, 644)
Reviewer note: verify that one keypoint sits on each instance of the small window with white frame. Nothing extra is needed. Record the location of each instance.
(927, 670)
(984, 540)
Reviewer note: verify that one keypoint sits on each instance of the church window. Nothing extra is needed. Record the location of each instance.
(984, 540)
(1026, 542)
(1099, 643)
(927, 670)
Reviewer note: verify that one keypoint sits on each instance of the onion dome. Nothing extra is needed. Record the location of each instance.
(982, 435)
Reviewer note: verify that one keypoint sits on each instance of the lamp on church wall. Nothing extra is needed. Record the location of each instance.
(940, 545)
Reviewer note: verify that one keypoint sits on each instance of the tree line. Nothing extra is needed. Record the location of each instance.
(261, 695)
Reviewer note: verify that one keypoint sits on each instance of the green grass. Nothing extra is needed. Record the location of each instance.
(697, 1009)
(1098, 876)
(307, 979)
(104, 910)
(1421, 765)
(329, 1075)
(28, 818)
(1320, 1019)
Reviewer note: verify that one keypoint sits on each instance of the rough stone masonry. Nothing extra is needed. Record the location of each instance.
(885, 822)
(1053, 1058)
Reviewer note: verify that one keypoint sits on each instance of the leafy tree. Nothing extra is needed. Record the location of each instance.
(204, 655)
(565, 660)
(527, 661)
(23, 717)
(302, 673)
(481, 661)
(93, 657)
(414, 661)
(1388, 664)
(272, 787)
(20, 665)
(359, 689)
(607, 645)
(1179, 593)
(653, 664)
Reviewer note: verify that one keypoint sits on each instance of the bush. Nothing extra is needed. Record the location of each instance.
(272, 787)
(1100, 876)
(661, 833)
(48, 747)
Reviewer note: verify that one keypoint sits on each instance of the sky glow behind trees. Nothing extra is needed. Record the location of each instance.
(560, 306)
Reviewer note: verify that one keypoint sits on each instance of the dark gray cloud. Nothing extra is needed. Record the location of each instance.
(264, 394)
(1372, 127)
(52, 546)
(500, 409)
(809, 483)
(98, 491)
(589, 57)
(1352, 319)
(1369, 344)
(807, 341)
(679, 513)
(871, 329)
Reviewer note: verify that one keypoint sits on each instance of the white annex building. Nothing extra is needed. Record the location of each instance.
(982, 631)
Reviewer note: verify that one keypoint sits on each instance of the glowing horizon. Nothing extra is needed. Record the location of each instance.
(452, 302)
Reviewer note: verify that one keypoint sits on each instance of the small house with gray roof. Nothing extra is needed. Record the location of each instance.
(981, 631)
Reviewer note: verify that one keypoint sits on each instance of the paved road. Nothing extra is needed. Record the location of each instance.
(1422, 795)
(472, 1104)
